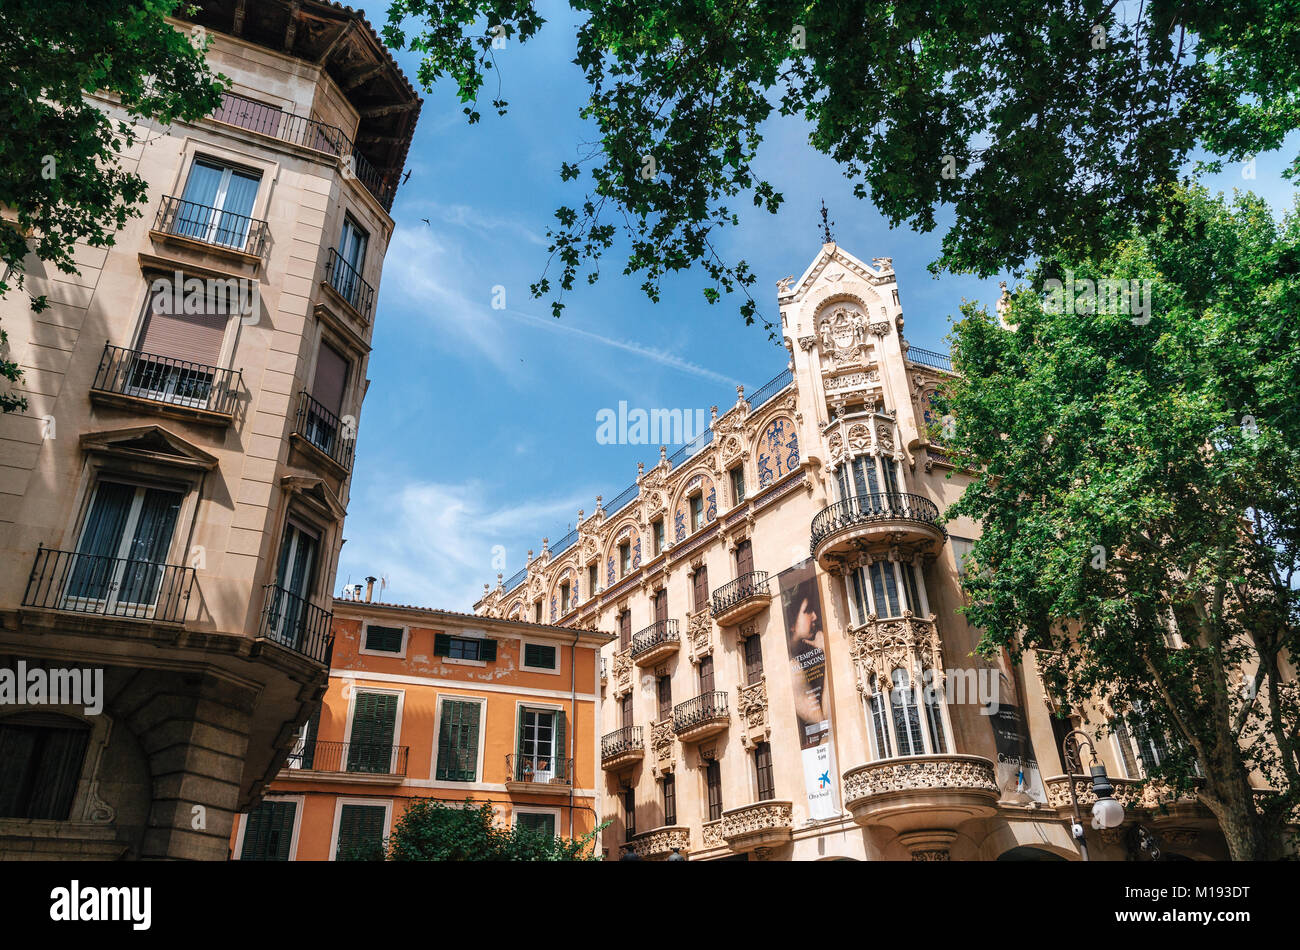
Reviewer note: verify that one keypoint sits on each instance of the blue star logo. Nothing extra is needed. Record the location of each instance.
(825, 778)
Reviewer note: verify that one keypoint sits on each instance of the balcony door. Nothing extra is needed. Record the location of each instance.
(321, 427)
(123, 547)
(744, 558)
(858, 478)
(661, 605)
(541, 746)
(217, 204)
(293, 582)
(177, 353)
(352, 252)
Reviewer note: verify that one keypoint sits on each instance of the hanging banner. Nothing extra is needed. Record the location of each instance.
(805, 639)
(1017, 768)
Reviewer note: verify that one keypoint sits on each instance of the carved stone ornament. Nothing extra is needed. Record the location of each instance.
(622, 672)
(699, 633)
(878, 647)
(663, 741)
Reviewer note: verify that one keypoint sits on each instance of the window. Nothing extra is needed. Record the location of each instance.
(464, 648)
(361, 833)
(320, 424)
(763, 771)
(1124, 740)
(540, 656)
(884, 588)
(123, 547)
(629, 813)
(934, 719)
(706, 673)
(911, 589)
(593, 579)
(384, 639)
(658, 528)
(891, 476)
(216, 205)
(697, 511)
(660, 602)
(565, 588)
(268, 831)
(625, 630)
(346, 278)
(625, 711)
(303, 754)
(540, 750)
(670, 798)
(177, 351)
(859, 591)
(879, 720)
(713, 783)
(961, 550)
(700, 585)
(624, 558)
(664, 690)
(858, 480)
(41, 756)
(753, 659)
(374, 724)
(907, 720)
(458, 729)
(536, 822)
(744, 558)
(537, 612)
(737, 475)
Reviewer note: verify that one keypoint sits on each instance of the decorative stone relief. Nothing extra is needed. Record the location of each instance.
(880, 646)
(751, 706)
(663, 740)
(699, 633)
(935, 772)
(622, 672)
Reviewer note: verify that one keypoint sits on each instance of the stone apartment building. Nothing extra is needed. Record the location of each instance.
(791, 678)
(172, 499)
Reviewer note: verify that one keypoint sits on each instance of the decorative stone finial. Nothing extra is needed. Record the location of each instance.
(663, 454)
(827, 237)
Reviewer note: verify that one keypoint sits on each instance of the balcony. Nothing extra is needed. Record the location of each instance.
(342, 278)
(131, 379)
(621, 748)
(847, 526)
(656, 642)
(744, 597)
(188, 223)
(296, 623)
(324, 433)
(760, 825)
(117, 587)
(705, 715)
(543, 774)
(658, 844)
(366, 762)
(937, 792)
(308, 133)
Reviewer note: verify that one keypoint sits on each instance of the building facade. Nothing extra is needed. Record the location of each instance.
(172, 499)
(424, 703)
(791, 678)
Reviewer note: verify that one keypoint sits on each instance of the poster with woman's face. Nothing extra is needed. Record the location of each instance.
(805, 639)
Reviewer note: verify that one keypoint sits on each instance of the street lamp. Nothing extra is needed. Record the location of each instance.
(1107, 812)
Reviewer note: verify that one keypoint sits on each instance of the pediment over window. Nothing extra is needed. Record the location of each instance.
(152, 443)
(316, 492)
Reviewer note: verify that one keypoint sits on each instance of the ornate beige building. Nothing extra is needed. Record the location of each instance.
(172, 499)
(792, 679)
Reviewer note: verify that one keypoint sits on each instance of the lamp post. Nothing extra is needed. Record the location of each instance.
(1107, 812)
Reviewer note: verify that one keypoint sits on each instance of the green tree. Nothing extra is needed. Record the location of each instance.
(433, 830)
(1136, 475)
(78, 75)
(1045, 126)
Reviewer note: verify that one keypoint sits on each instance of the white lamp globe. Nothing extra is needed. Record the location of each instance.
(1107, 813)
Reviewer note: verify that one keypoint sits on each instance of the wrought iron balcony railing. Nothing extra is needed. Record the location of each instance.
(539, 769)
(309, 133)
(109, 586)
(745, 586)
(930, 358)
(627, 739)
(661, 631)
(324, 430)
(371, 758)
(349, 284)
(295, 622)
(237, 232)
(167, 380)
(877, 506)
(700, 709)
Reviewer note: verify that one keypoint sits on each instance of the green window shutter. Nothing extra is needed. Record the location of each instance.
(441, 644)
(532, 821)
(488, 650)
(361, 833)
(458, 742)
(268, 832)
(561, 758)
(384, 639)
(520, 765)
(309, 743)
(540, 656)
(374, 720)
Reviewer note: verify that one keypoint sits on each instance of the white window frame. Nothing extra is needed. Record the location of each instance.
(521, 706)
(464, 635)
(553, 811)
(352, 708)
(406, 636)
(525, 668)
(434, 781)
(299, 800)
(386, 804)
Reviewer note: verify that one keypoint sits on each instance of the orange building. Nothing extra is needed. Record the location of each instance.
(426, 703)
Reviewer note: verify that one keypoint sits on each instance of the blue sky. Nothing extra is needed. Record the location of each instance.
(479, 427)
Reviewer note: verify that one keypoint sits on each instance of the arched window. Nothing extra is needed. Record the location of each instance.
(907, 717)
(879, 720)
(41, 756)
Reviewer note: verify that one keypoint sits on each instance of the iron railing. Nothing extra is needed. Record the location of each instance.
(238, 232)
(515, 579)
(661, 631)
(770, 388)
(109, 586)
(372, 758)
(167, 380)
(349, 284)
(741, 589)
(627, 739)
(877, 506)
(702, 708)
(294, 622)
(539, 769)
(930, 358)
(309, 133)
(324, 430)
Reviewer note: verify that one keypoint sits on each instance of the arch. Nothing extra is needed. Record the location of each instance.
(701, 479)
(1025, 852)
(553, 595)
(776, 450)
(625, 530)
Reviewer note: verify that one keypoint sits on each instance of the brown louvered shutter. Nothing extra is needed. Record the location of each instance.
(661, 605)
(331, 376)
(744, 558)
(195, 337)
(701, 579)
(624, 630)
